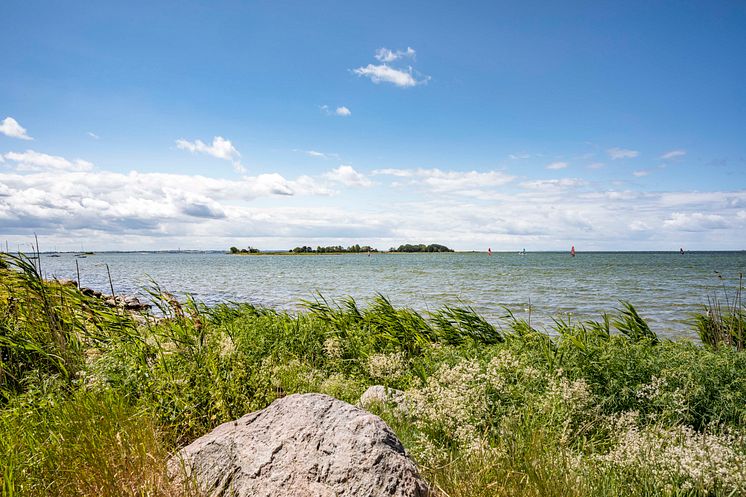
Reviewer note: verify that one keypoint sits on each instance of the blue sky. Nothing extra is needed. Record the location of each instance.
(155, 125)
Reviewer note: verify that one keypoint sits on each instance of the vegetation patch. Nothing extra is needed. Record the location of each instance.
(93, 400)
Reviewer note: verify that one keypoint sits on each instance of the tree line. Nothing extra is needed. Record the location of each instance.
(352, 249)
(433, 247)
(333, 249)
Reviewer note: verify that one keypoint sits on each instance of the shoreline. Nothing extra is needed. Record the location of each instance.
(484, 252)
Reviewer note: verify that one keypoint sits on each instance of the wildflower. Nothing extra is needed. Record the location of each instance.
(386, 367)
(333, 348)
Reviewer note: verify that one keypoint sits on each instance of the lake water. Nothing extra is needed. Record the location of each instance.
(664, 287)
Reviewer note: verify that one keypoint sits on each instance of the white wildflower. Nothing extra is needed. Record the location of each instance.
(333, 348)
(386, 367)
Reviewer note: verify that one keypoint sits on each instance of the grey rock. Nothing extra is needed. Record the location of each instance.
(379, 394)
(308, 445)
(91, 293)
(132, 303)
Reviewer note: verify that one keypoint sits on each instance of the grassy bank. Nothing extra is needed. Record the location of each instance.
(92, 403)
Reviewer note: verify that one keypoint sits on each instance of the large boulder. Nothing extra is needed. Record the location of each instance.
(308, 445)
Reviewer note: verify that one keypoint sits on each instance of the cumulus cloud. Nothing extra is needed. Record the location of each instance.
(146, 203)
(386, 74)
(465, 209)
(472, 183)
(220, 148)
(340, 111)
(596, 165)
(673, 154)
(622, 153)
(401, 173)
(93, 135)
(698, 221)
(554, 184)
(403, 77)
(343, 111)
(386, 55)
(347, 176)
(35, 161)
(194, 204)
(557, 165)
(640, 173)
(11, 127)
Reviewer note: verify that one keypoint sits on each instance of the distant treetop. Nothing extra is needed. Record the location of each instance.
(433, 247)
(250, 250)
(333, 249)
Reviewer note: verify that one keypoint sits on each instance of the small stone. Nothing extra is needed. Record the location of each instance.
(379, 394)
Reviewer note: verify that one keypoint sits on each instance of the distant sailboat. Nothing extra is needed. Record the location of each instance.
(572, 251)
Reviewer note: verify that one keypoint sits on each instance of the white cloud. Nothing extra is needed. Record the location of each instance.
(386, 74)
(457, 180)
(61, 200)
(401, 173)
(519, 156)
(622, 153)
(697, 221)
(35, 161)
(340, 111)
(465, 209)
(470, 183)
(673, 154)
(316, 154)
(403, 77)
(10, 127)
(596, 165)
(93, 135)
(343, 111)
(640, 172)
(386, 55)
(553, 184)
(557, 165)
(220, 148)
(347, 176)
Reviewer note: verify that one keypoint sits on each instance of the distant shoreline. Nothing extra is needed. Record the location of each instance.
(280, 252)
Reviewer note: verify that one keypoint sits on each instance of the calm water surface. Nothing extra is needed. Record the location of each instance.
(665, 287)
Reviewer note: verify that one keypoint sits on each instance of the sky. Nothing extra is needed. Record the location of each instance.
(202, 125)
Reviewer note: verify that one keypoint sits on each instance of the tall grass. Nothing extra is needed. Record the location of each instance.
(94, 401)
(723, 322)
(85, 444)
(49, 328)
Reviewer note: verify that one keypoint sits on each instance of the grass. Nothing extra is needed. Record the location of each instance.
(93, 401)
(723, 322)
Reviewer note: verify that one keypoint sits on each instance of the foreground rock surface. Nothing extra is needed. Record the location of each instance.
(303, 445)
